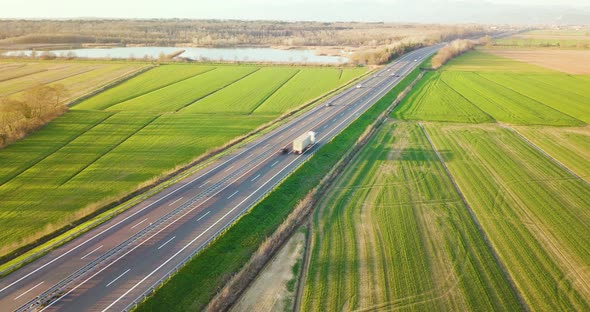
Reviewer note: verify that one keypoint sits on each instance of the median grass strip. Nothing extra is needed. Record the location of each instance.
(198, 281)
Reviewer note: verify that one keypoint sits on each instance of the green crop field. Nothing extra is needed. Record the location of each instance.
(298, 90)
(184, 93)
(569, 146)
(154, 79)
(110, 144)
(244, 96)
(535, 212)
(475, 88)
(563, 38)
(78, 78)
(394, 234)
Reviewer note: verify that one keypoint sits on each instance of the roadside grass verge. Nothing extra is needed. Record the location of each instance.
(197, 282)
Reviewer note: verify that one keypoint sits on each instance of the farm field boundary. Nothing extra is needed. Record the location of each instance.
(480, 229)
(230, 251)
(241, 280)
(112, 207)
(542, 151)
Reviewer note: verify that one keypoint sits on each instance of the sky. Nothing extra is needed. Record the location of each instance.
(317, 10)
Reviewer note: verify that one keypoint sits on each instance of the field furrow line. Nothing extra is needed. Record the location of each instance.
(24, 75)
(525, 96)
(108, 150)
(467, 100)
(156, 89)
(55, 80)
(219, 89)
(542, 151)
(90, 127)
(216, 90)
(480, 229)
(266, 97)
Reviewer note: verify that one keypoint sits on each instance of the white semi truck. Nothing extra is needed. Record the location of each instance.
(303, 142)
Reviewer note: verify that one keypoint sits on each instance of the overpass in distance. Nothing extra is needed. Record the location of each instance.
(115, 265)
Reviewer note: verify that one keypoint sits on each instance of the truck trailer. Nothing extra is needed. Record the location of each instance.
(303, 142)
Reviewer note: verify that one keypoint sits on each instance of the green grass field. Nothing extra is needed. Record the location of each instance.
(534, 212)
(562, 38)
(569, 146)
(480, 87)
(191, 288)
(154, 79)
(394, 235)
(78, 78)
(110, 144)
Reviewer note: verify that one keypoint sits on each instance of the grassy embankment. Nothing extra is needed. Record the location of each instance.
(196, 283)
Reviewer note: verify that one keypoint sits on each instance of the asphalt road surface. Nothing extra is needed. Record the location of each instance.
(116, 264)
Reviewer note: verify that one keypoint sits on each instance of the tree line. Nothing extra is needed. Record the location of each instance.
(217, 33)
(37, 107)
(451, 50)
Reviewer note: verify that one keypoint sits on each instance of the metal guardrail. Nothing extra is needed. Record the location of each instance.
(55, 291)
(58, 288)
(177, 267)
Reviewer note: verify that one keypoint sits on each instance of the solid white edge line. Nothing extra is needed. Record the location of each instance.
(173, 237)
(215, 223)
(198, 236)
(144, 208)
(26, 292)
(147, 239)
(118, 277)
(88, 254)
(165, 196)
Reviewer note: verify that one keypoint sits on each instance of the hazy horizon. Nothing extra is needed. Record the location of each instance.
(309, 10)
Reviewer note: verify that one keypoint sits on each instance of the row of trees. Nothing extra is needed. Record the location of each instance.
(451, 50)
(38, 106)
(215, 33)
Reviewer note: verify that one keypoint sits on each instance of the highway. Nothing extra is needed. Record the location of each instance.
(116, 264)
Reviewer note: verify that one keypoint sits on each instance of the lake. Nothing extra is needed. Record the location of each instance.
(213, 54)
